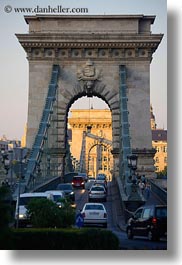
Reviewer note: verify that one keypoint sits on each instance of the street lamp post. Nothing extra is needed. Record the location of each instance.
(19, 187)
(132, 164)
(134, 193)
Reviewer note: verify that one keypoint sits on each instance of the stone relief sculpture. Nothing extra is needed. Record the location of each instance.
(88, 74)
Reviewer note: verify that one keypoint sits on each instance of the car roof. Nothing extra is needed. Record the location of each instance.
(63, 184)
(97, 185)
(93, 203)
(54, 192)
(33, 194)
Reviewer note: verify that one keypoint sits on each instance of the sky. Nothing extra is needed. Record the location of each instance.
(14, 72)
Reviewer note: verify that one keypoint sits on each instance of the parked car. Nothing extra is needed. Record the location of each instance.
(94, 213)
(97, 193)
(149, 221)
(67, 189)
(58, 196)
(78, 182)
(21, 211)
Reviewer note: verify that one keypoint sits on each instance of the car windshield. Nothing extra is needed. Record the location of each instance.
(101, 177)
(57, 197)
(64, 187)
(78, 178)
(25, 200)
(97, 188)
(161, 212)
(82, 174)
(94, 207)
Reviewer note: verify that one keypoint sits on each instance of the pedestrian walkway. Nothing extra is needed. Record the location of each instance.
(118, 211)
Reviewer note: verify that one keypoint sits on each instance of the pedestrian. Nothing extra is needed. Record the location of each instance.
(147, 191)
(141, 186)
(143, 179)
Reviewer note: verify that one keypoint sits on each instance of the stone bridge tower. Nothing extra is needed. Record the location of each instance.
(89, 50)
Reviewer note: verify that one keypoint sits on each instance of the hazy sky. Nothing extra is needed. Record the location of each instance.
(14, 65)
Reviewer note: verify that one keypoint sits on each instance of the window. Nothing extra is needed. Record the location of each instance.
(105, 158)
(158, 149)
(138, 214)
(165, 149)
(161, 212)
(146, 213)
(105, 168)
(157, 160)
(165, 159)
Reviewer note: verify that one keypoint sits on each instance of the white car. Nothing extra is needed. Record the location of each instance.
(101, 178)
(21, 210)
(97, 193)
(57, 196)
(94, 213)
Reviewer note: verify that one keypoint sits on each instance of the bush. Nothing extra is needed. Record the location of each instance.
(45, 213)
(5, 217)
(64, 239)
(5, 207)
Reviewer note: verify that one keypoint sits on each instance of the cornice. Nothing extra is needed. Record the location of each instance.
(74, 40)
(112, 46)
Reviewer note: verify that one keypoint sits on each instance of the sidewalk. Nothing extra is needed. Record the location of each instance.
(118, 214)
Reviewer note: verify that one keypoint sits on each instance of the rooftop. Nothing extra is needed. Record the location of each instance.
(159, 135)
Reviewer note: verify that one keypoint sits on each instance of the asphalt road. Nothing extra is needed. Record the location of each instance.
(138, 243)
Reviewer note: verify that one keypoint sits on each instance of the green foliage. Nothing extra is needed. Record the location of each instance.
(5, 217)
(162, 173)
(64, 239)
(45, 213)
(5, 206)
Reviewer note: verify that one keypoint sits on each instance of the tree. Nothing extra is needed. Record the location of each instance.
(162, 173)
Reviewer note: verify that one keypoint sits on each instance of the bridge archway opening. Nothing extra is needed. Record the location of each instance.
(95, 112)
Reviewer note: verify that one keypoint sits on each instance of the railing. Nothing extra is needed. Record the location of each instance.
(125, 144)
(160, 192)
(40, 138)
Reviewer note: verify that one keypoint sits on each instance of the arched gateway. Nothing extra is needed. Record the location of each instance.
(92, 52)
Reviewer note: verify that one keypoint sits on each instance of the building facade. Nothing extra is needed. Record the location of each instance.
(159, 143)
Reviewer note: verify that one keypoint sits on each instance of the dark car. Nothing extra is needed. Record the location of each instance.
(149, 221)
(68, 190)
(78, 182)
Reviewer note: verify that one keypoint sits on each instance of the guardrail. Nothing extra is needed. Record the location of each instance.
(160, 192)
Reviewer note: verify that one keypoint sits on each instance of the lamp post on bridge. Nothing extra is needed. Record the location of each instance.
(134, 193)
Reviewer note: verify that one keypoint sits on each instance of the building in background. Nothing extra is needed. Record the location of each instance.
(159, 142)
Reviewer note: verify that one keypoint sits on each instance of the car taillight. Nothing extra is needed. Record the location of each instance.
(154, 220)
(105, 215)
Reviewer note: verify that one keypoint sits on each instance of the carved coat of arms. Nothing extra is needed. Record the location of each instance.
(89, 74)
